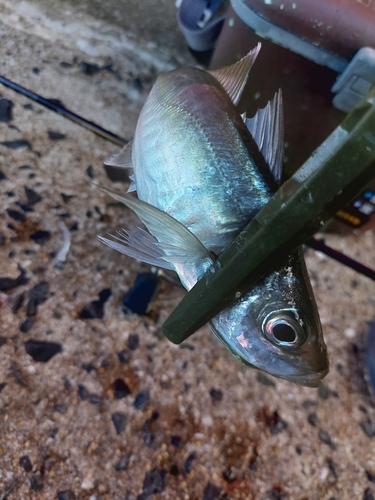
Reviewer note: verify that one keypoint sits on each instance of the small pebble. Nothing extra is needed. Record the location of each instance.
(216, 394)
(120, 389)
(154, 482)
(95, 399)
(40, 236)
(123, 356)
(133, 341)
(123, 463)
(9, 283)
(18, 144)
(2, 385)
(2, 176)
(119, 421)
(312, 419)
(32, 196)
(368, 428)
(27, 324)
(5, 110)
(142, 400)
(174, 470)
(31, 307)
(66, 495)
(176, 441)
(368, 495)
(25, 463)
(90, 171)
(188, 463)
(16, 215)
(55, 136)
(83, 393)
(89, 69)
(370, 476)
(42, 351)
(229, 475)
(326, 439)
(35, 483)
(211, 492)
(18, 301)
(138, 299)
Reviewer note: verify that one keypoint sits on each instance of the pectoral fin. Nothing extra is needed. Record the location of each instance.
(233, 78)
(267, 130)
(169, 243)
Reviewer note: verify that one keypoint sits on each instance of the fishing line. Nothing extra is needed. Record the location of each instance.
(109, 136)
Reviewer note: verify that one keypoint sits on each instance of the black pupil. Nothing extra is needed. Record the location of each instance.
(284, 333)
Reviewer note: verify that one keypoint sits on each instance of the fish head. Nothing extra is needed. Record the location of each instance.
(276, 327)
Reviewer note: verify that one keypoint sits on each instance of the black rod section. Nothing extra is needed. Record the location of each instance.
(64, 112)
(340, 257)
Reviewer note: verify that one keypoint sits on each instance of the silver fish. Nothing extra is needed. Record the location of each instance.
(202, 171)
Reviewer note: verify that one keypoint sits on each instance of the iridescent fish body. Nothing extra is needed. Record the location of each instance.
(202, 171)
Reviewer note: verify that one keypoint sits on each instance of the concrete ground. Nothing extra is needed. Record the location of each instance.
(94, 402)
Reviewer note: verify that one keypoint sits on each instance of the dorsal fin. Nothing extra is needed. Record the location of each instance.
(233, 78)
(121, 159)
(267, 130)
(133, 186)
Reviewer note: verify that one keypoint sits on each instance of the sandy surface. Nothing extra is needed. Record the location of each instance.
(117, 412)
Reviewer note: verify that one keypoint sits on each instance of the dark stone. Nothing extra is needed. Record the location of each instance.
(2, 239)
(189, 462)
(42, 351)
(55, 136)
(88, 367)
(298, 449)
(31, 307)
(24, 206)
(95, 399)
(309, 404)
(123, 463)
(36, 70)
(332, 467)
(25, 463)
(3, 341)
(326, 439)
(123, 356)
(27, 324)
(174, 470)
(133, 341)
(186, 345)
(138, 299)
(2, 385)
(370, 476)
(35, 483)
(154, 482)
(25, 167)
(83, 393)
(368, 495)
(10, 283)
(120, 389)
(90, 171)
(16, 215)
(39, 292)
(95, 309)
(216, 394)
(66, 197)
(368, 428)
(229, 475)
(5, 110)
(18, 144)
(323, 391)
(18, 301)
(32, 196)
(89, 69)
(40, 236)
(62, 409)
(2, 176)
(312, 419)
(66, 495)
(148, 435)
(142, 400)
(263, 379)
(176, 441)
(119, 421)
(211, 492)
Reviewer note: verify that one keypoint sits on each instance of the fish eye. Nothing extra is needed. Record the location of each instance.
(283, 330)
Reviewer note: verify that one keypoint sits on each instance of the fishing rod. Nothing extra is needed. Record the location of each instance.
(63, 111)
(52, 105)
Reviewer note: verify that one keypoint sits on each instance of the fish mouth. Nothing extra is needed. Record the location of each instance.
(308, 379)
